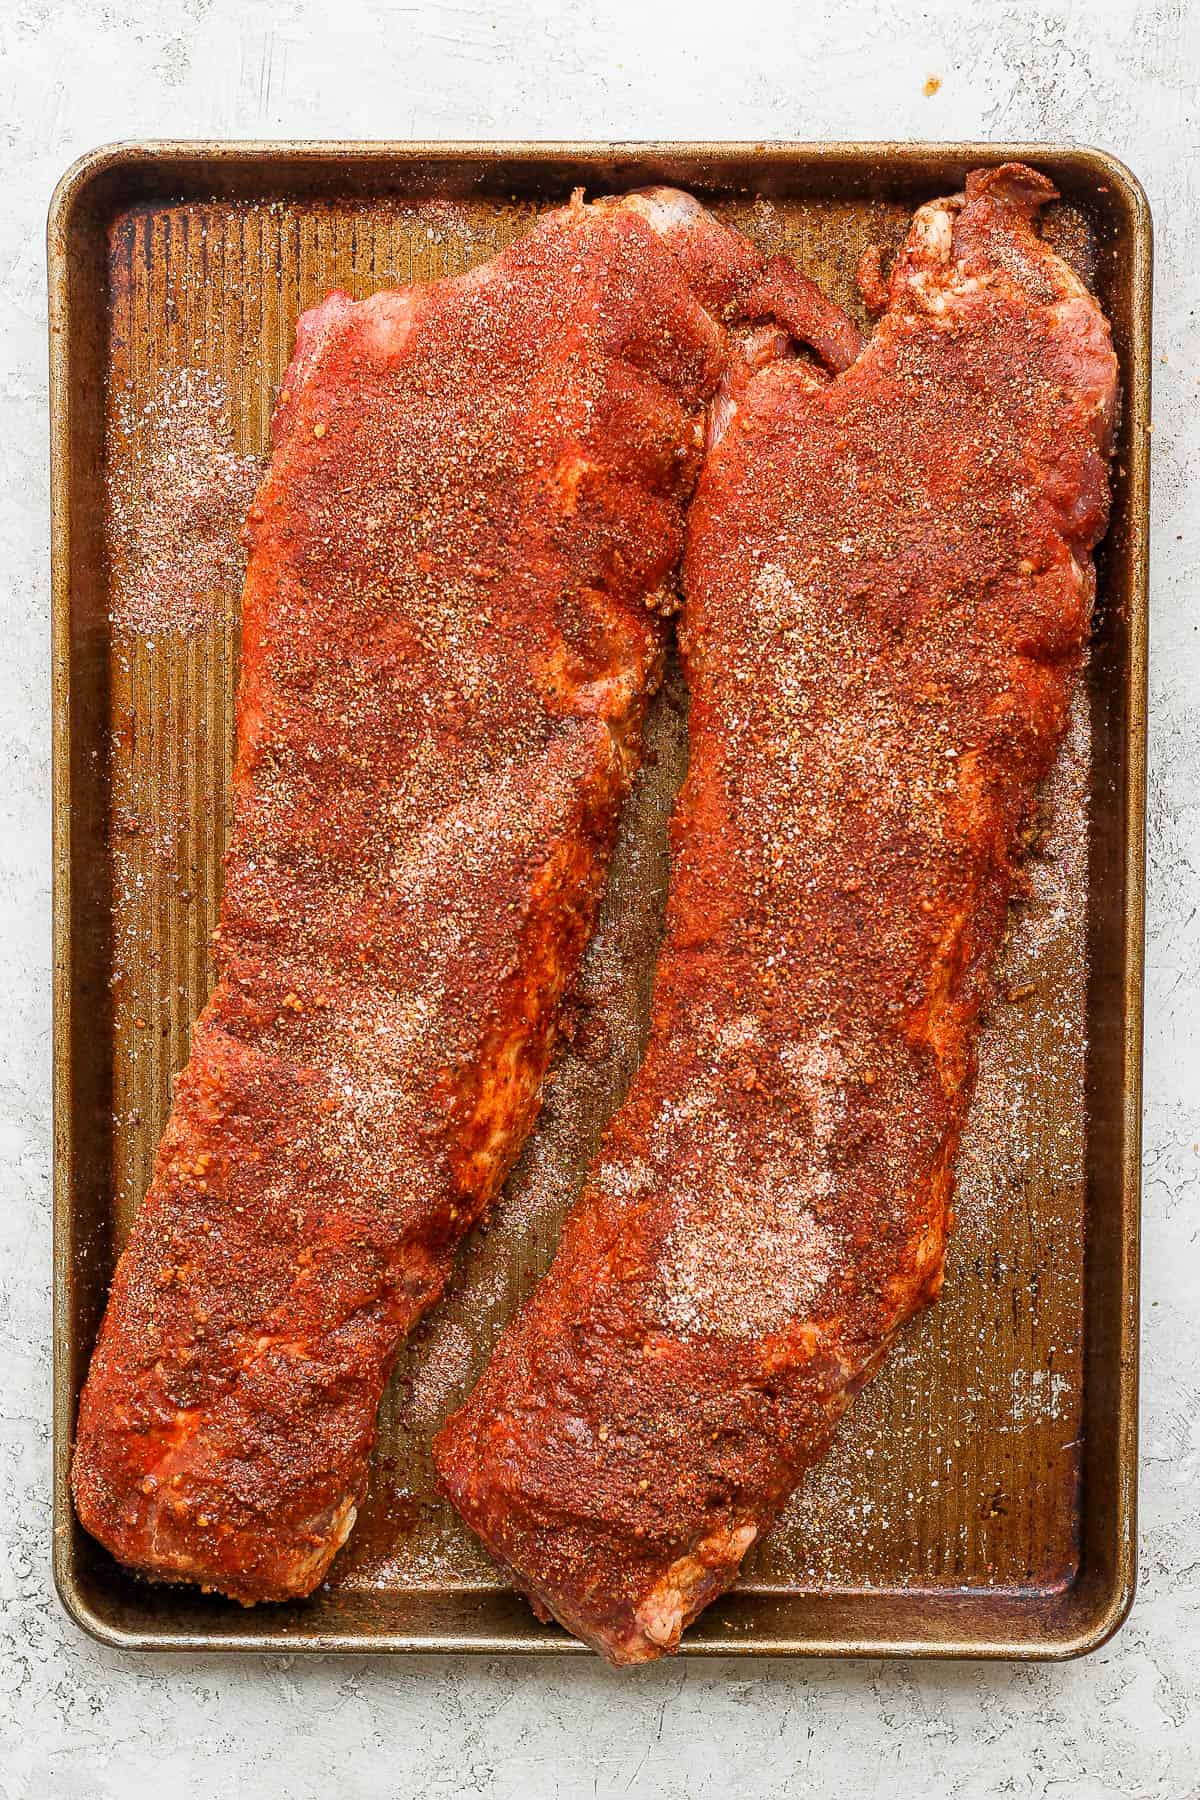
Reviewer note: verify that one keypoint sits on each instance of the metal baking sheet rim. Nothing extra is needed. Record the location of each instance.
(820, 165)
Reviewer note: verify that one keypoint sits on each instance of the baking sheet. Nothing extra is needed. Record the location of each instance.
(980, 1495)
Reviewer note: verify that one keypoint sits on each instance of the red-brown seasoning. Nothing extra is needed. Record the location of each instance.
(888, 589)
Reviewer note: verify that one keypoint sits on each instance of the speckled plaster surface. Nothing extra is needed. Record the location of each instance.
(77, 1720)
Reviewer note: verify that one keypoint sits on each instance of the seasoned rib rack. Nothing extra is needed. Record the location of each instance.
(888, 587)
(477, 488)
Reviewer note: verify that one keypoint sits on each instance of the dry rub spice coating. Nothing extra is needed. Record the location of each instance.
(888, 587)
(478, 487)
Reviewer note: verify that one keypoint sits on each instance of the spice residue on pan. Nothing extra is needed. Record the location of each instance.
(175, 512)
(447, 225)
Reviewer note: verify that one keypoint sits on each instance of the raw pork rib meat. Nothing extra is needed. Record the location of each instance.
(888, 585)
(449, 640)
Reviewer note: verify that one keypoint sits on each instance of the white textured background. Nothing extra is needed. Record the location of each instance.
(76, 1720)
